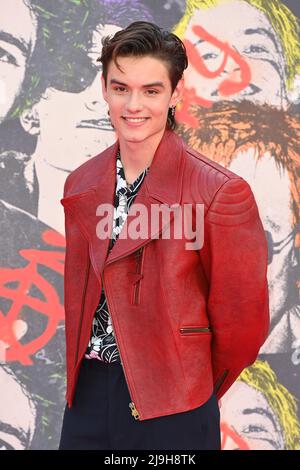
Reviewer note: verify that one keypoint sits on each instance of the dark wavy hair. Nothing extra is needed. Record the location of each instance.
(142, 38)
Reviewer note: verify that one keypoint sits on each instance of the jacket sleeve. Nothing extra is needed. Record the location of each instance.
(234, 256)
(74, 279)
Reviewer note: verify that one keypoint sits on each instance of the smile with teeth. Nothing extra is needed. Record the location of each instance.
(135, 119)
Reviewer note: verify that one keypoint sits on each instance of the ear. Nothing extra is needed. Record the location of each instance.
(104, 91)
(30, 121)
(177, 93)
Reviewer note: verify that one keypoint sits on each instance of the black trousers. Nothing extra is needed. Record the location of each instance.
(100, 418)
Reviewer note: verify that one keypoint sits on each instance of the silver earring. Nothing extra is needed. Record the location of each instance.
(173, 109)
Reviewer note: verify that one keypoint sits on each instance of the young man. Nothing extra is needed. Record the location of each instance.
(175, 325)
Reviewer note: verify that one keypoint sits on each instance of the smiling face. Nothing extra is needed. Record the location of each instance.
(139, 96)
(249, 34)
(17, 40)
(74, 127)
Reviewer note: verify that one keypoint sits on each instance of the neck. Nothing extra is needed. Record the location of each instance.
(51, 183)
(136, 156)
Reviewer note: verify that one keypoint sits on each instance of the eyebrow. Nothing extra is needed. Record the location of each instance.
(7, 37)
(113, 81)
(19, 433)
(263, 32)
(260, 411)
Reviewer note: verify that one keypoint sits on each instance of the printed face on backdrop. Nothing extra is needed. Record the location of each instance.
(17, 413)
(237, 60)
(74, 127)
(247, 420)
(273, 204)
(17, 40)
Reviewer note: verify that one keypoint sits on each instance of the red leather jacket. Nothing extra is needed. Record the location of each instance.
(186, 322)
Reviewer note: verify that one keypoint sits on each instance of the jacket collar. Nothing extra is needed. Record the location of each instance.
(161, 185)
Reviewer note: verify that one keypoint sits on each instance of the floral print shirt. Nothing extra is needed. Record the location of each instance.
(102, 344)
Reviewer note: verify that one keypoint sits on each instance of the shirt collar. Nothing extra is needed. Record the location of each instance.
(122, 187)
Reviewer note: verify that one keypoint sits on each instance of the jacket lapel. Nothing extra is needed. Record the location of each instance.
(161, 185)
(95, 186)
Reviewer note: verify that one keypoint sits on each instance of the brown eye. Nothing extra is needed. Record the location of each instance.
(120, 88)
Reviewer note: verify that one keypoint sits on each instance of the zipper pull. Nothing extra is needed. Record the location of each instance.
(134, 411)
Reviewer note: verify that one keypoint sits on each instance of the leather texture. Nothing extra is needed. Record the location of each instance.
(186, 322)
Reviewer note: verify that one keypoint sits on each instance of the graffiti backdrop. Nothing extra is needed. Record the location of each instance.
(240, 108)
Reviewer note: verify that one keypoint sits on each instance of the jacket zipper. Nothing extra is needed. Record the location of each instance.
(132, 406)
(82, 309)
(137, 285)
(195, 329)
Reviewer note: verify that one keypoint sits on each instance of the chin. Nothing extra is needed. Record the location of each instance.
(134, 138)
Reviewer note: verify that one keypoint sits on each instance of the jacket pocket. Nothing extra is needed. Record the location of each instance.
(139, 263)
(190, 330)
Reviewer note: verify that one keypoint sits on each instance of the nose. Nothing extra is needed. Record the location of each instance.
(232, 65)
(93, 99)
(133, 103)
(231, 68)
